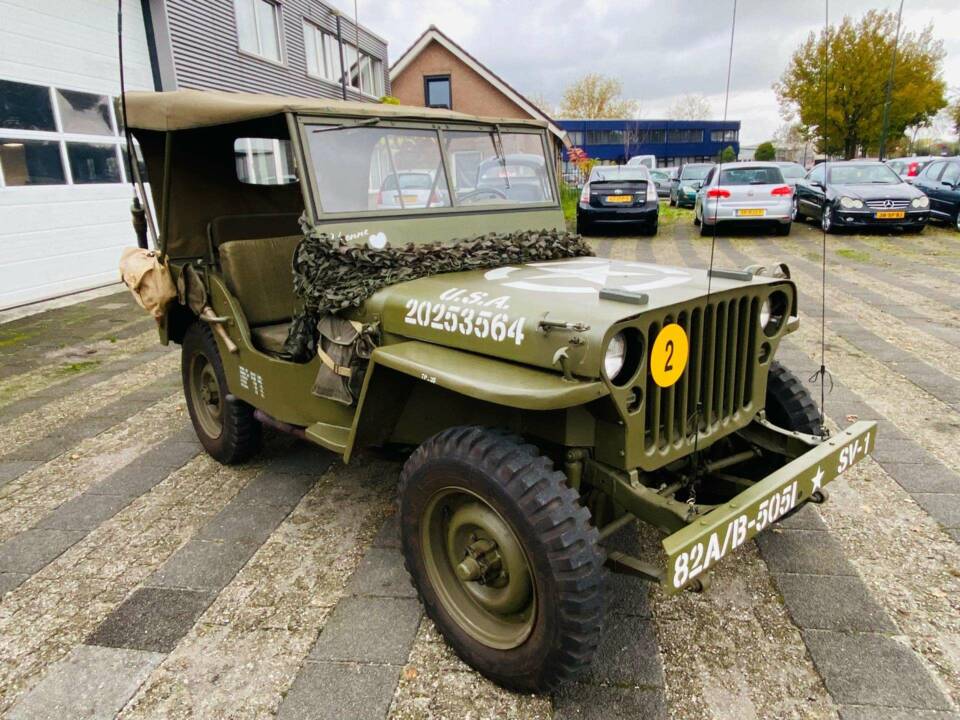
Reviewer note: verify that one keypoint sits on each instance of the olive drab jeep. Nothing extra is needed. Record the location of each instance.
(366, 275)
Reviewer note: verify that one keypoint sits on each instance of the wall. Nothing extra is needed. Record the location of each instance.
(205, 49)
(57, 239)
(470, 92)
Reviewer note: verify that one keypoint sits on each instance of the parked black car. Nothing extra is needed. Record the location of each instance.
(940, 181)
(619, 195)
(859, 193)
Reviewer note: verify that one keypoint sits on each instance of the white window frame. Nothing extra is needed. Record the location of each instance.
(361, 54)
(62, 138)
(319, 37)
(278, 24)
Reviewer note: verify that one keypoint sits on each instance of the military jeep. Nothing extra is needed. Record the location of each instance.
(542, 405)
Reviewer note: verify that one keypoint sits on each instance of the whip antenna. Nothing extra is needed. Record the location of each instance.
(823, 375)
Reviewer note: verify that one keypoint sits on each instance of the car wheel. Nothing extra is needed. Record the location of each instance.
(826, 220)
(673, 203)
(783, 229)
(707, 230)
(696, 219)
(795, 215)
(504, 557)
(789, 404)
(583, 226)
(956, 220)
(224, 425)
(649, 229)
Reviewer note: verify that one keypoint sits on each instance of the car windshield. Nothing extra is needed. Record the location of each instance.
(863, 174)
(751, 176)
(792, 171)
(695, 172)
(353, 166)
(619, 172)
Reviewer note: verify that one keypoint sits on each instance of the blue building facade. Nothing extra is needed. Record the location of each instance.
(673, 141)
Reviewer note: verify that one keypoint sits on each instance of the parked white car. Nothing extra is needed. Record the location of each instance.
(748, 192)
(648, 161)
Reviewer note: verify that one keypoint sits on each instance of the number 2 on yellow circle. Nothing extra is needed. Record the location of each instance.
(668, 356)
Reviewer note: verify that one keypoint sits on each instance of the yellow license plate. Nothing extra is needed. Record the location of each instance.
(409, 198)
(751, 212)
(619, 198)
(889, 215)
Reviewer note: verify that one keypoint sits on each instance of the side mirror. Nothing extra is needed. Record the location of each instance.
(949, 184)
(817, 184)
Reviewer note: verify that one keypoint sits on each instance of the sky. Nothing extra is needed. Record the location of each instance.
(658, 49)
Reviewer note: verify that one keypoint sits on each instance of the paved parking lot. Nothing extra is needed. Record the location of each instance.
(139, 579)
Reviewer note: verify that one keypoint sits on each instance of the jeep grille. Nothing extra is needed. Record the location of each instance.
(723, 339)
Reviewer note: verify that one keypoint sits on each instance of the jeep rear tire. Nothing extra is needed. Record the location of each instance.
(789, 404)
(504, 557)
(224, 425)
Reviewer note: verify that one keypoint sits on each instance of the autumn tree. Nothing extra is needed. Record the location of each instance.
(859, 55)
(690, 107)
(728, 155)
(542, 103)
(765, 151)
(596, 96)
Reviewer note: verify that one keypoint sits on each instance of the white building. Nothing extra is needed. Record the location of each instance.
(64, 195)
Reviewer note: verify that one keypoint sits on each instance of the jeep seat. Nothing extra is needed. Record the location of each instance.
(258, 272)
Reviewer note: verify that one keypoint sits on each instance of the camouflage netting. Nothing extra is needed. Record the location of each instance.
(332, 275)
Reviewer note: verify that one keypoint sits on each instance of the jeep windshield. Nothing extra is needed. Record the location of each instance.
(356, 169)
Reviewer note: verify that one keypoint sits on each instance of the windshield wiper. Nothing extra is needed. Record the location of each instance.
(344, 126)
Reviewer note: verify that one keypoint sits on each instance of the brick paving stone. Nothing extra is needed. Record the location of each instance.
(170, 454)
(93, 683)
(202, 565)
(832, 602)
(271, 488)
(628, 654)
(389, 534)
(869, 669)
(31, 550)
(381, 573)
(131, 480)
(806, 518)
(11, 581)
(152, 618)
(876, 712)
(243, 523)
(84, 512)
(340, 691)
(802, 551)
(12, 469)
(362, 629)
(942, 507)
(924, 477)
(578, 701)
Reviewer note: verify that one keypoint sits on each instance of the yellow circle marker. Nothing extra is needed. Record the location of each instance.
(668, 356)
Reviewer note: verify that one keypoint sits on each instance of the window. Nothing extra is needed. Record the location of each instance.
(484, 175)
(323, 56)
(25, 107)
(931, 171)
(723, 135)
(437, 92)
(93, 163)
(258, 27)
(576, 137)
(604, 137)
(264, 161)
(31, 162)
(951, 174)
(684, 136)
(850, 174)
(364, 72)
(816, 174)
(84, 113)
(750, 176)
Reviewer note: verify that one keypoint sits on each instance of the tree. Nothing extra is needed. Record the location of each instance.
(954, 111)
(765, 151)
(728, 155)
(793, 142)
(540, 101)
(859, 58)
(596, 96)
(690, 107)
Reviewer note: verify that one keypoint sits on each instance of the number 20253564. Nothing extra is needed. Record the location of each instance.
(483, 324)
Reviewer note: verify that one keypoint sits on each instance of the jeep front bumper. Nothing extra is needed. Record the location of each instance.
(710, 537)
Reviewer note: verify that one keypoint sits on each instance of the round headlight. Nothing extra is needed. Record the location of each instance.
(920, 202)
(615, 356)
(765, 313)
(850, 203)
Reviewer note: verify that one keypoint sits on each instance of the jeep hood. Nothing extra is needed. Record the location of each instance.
(530, 313)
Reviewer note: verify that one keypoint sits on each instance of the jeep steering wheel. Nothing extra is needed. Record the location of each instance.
(484, 191)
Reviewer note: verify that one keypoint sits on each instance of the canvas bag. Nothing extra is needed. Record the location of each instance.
(148, 279)
(344, 348)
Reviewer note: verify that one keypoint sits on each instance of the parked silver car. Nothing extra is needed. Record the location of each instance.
(791, 172)
(744, 192)
(662, 179)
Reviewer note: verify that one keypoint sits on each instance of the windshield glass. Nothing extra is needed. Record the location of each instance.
(364, 169)
(751, 176)
(863, 175)
(695, 172)
(619, 172)
(792, 171)
(484, 175)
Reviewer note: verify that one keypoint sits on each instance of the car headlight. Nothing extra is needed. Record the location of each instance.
(686, 189)
(765, 313)
(615, 356)
(851, 203)
(773, 312)
(920, 202)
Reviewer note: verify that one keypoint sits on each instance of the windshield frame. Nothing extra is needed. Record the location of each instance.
(830, 170)
(303, 125)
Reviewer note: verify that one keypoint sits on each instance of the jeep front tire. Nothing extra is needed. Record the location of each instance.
(224, 425)
(503, 555)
